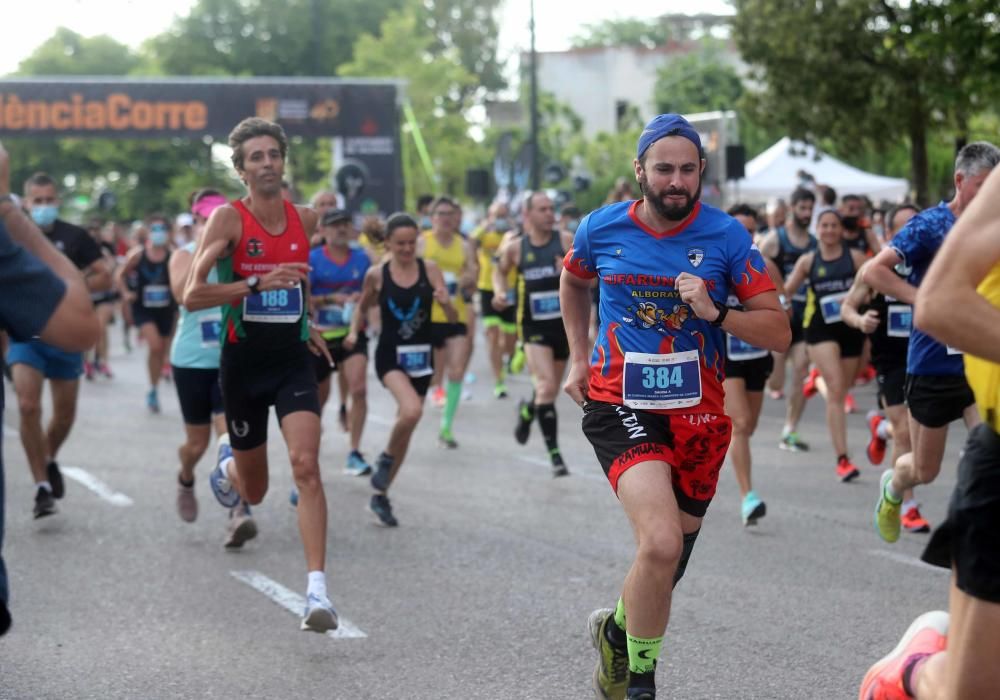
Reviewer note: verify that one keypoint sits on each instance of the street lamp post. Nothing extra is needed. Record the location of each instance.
(535, 169)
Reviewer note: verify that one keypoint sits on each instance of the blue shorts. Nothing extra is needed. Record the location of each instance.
(52, 362)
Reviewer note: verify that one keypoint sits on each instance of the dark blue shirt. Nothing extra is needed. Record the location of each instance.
(917, 244)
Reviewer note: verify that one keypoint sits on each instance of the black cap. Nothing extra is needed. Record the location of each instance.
(335, 216)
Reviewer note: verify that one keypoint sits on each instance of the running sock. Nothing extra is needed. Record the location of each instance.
(615, 633)
(224, 462)
(317, 584)
(642, 655)
(546, 413)
(912, 503)
(43, 485)
(185, 484)
(453, 394)
(891, 495)
(882, 430)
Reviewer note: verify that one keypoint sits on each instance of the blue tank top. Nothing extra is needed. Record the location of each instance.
(196, 343)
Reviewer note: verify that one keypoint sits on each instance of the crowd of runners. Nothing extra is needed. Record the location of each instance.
(667, 321)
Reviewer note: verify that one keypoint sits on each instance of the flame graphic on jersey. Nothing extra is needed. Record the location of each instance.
(604, 348)
(752, 273)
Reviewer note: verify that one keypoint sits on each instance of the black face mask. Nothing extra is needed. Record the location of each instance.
(850, 222)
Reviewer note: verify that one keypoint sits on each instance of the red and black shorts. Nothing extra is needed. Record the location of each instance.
(694, 445)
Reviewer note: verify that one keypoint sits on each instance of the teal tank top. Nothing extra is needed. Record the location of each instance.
(196, 343)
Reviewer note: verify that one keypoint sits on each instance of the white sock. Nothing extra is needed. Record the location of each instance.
(317, 584)
(910, 503)
(44, 485)
(891, 492)
(883, 429)
(786, 431)
(229, 461)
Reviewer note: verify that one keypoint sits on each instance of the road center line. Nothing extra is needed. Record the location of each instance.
(908, 560)
(293, 602)
(97, 486)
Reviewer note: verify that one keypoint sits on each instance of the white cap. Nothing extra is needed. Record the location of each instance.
(185, 219)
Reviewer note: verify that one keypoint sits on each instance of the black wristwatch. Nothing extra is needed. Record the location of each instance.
(723, 310)
(252, 282)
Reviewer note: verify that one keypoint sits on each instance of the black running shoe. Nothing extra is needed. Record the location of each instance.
(44, 503)
(383, 469)
(558, 466)
(55, 479)
(382, 510)
(523, 429)
(641, 694)
(4, 619)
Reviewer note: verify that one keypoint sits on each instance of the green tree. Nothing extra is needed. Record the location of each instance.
(622, 32)
(699, 81)
(436, 88)
(69, 53)
(471, 28)
(862, 74)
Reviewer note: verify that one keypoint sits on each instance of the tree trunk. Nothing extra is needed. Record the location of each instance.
(918, 154)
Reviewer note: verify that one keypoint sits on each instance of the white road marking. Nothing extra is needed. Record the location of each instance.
(546, 463)
(907, 559)
(96, 485)
(293, 602)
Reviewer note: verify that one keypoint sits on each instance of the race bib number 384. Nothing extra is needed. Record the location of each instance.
(662, 381)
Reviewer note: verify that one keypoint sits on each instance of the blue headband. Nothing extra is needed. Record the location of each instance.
(667, 125)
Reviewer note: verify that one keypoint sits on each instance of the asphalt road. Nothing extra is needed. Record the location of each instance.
(482, 592)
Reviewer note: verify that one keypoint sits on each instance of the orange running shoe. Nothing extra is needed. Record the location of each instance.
(809, 385)
(927, 635)
(876, 445)
(846, 470)
(912, 521)
(437, 397)
(865, 376)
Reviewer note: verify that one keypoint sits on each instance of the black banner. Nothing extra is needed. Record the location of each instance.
(363, 113)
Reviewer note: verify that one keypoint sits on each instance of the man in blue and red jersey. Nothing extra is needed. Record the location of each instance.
(260, 247)
(652, 389)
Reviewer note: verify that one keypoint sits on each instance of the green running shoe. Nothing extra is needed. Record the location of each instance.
(887, 521)
(611, 672)
(517, 360)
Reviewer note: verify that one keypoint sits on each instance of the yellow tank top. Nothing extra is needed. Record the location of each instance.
(377, 248)
(983, 375)
(489, 244)
(450, 260)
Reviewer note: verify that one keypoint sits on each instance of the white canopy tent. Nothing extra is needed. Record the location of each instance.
(776, 172)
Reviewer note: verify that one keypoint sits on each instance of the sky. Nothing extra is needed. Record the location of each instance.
(133, 21)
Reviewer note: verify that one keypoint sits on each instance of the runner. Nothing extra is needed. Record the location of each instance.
(747, 370)
(858, 233)
(336, 276)
(261, 247)
(937, 392)
(405, 288)
(43, 297)
(501, 326)
(33, 361)
(784, 246)
(537, 256)
(104, 305)
(154, 309)
(833, 346)
(445, 246)
(959, 303)
(888, 325)
(194, 356)
(652, 393)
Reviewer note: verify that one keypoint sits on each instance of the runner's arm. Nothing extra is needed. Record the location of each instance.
(470, 267)
(874, 244)
(799, 272)
(574, 300)
(369, 294)
(441, 295)
(948, 305)
(880, 276)
(97, 275)
(505, 261)
(774, 272)
(121, 280)
(180, 265)
(858, 295)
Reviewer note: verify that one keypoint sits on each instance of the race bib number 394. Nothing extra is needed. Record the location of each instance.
(654, 381)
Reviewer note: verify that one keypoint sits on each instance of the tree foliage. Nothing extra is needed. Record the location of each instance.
(622, 32)
(860, 73)
(699, 81)
(69, 53)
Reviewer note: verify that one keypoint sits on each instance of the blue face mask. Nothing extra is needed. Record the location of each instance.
(158, 235)
(572, 225)
(501, 226)
(44, 215)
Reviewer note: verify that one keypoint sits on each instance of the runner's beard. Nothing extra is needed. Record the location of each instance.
(669, 212)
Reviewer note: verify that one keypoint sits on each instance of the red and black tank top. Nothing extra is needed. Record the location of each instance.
(274, 319)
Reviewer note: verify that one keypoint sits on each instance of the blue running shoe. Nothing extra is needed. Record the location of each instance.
(382, 510)
(356, 465)
(319, 615)
(753, 508)
(223, 489)
(152, 401)
(383, 469)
